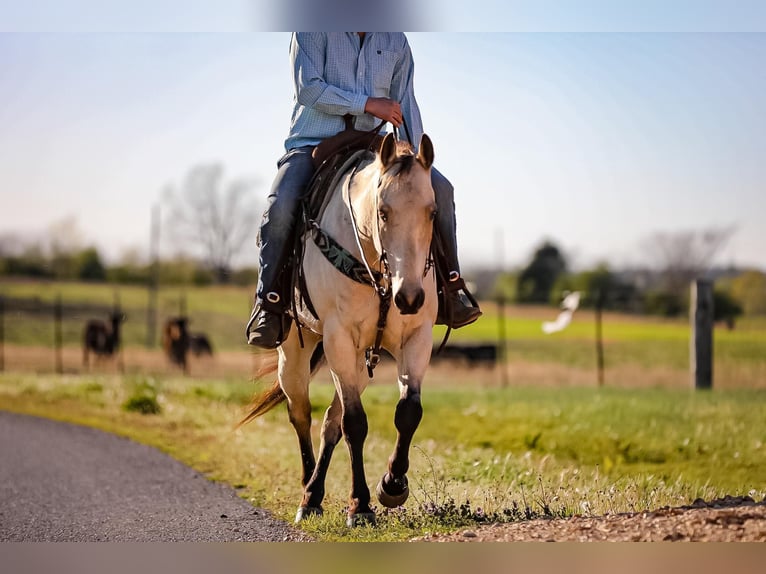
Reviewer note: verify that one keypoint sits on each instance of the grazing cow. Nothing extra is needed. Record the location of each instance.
(473, 354)
(200, 345)
(175, 341)
(101, 337)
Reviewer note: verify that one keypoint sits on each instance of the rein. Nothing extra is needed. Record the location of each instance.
(382, 288)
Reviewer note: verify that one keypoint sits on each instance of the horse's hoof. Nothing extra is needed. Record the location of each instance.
(305, 511)
(393, 500)
(360, 519)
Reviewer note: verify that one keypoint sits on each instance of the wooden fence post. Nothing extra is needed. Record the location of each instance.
(58, 338)
(701, 348)
(2, 333)
(501, 339)
(599, 338)
(153, 280)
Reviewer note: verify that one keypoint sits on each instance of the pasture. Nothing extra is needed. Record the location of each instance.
(639, 351)
(480, 453)
(549, 443)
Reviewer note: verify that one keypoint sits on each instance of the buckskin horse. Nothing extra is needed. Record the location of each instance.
(371, 246)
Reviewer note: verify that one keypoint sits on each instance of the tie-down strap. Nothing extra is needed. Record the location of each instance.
(342, 259)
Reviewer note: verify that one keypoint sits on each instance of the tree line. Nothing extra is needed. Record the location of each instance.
(662, 289)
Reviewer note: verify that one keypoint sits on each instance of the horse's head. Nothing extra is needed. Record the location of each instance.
(406, 208)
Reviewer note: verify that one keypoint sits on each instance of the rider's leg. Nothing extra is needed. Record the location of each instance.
(464, 311)
(269, 322)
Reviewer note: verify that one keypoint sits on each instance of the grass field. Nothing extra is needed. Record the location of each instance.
(550, 442)
(480, 453)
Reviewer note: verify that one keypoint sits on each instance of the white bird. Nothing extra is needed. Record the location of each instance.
(568, 307)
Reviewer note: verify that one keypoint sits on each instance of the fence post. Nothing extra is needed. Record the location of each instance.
(2, 333)
(599, 338)
(501, 336)
(153, 280)
(58, 334)
(701, 348)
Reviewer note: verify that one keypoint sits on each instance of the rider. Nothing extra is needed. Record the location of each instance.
(370, 76)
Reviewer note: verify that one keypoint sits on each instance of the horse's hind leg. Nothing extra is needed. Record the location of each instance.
(393, 490)
(294, 378)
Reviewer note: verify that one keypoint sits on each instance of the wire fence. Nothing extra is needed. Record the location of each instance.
(45, 335)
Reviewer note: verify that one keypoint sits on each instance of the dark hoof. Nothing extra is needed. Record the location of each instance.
(305, 511)
(360, 519)
(393, 500)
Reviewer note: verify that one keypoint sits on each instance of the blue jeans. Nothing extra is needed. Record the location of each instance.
(294, 171)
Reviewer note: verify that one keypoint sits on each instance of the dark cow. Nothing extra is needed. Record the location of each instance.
(474, 355)
(200, 345)
(102, 338)
(175, 341)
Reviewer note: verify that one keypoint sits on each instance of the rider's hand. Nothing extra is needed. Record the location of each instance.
(385, 109)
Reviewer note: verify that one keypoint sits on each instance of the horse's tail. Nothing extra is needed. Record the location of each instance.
(274, 396)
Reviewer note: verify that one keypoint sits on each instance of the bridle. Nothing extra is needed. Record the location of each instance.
(380, 281)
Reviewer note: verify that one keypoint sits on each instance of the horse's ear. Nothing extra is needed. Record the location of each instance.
(426, 152)
(388, 150)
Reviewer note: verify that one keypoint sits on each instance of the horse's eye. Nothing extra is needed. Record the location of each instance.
(432, 215)
(383, 216)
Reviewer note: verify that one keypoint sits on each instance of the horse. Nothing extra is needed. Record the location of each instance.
(101, 338)
(381, 216)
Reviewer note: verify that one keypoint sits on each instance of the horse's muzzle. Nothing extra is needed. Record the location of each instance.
(409, 304)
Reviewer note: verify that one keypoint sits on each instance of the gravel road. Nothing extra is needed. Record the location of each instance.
(66, 483)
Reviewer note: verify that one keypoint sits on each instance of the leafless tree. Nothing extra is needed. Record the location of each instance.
(216, 217)
(682, 256)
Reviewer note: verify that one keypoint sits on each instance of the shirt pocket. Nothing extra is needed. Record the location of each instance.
(384, 65)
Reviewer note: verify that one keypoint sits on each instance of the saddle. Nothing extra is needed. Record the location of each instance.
(346, 142)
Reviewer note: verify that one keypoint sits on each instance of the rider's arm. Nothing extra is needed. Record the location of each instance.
(307, 53)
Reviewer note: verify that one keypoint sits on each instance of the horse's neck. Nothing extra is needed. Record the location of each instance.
(337, 219)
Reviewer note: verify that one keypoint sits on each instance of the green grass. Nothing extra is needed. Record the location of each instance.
(480, 454)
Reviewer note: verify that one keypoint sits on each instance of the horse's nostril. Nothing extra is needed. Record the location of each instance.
(420, 298)
(410, 306)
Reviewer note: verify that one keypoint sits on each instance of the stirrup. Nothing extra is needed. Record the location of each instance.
(274, 323)
(466, 314)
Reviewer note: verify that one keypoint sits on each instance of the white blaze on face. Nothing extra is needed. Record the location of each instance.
(406, 210)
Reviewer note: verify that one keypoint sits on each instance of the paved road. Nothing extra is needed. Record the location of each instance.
(62, 482)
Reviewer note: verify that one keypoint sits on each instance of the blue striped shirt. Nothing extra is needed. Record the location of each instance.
(334, 74)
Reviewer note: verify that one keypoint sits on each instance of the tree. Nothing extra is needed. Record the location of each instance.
(750, 289)
(538, 278)
(216, 218)
(89, 265)
(682, 256)
(725, 307)
(594, 283)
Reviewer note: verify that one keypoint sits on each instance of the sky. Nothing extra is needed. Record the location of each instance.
(594, 140)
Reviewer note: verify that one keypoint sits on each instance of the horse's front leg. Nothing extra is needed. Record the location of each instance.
(393, 490)
(348, 372)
